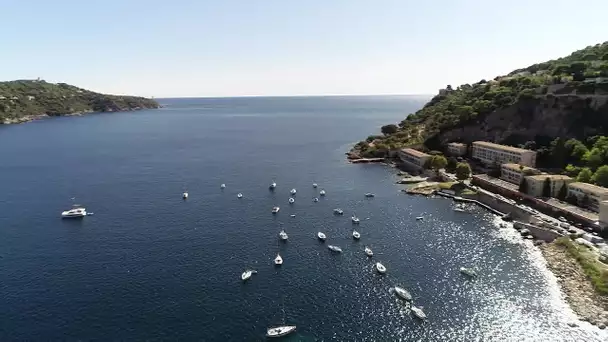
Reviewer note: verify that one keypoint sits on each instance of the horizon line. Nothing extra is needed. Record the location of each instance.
(274, 96)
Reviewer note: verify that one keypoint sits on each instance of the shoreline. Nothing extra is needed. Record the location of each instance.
(35, 117)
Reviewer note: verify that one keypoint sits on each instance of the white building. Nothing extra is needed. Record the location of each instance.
(596, 194)
(490, 153)
(413, 158)
(512, 173)
(604, 213)
(457, 149)
(536, 184)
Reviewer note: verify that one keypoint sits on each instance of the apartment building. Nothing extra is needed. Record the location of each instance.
(513, 173)
(457, 149)
(490, 153)
(536, 184)
(604, 213)
(596, 194)
(413, 158)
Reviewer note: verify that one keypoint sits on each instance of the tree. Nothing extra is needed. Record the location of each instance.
(463, 170)
(600, 177)
(438, 162)
(585, 201)
(572, 170)
(572, 199)
(585, 175)
(563, 192)
(389, 129)
(547, 187)
(452, 163)
(523, 185)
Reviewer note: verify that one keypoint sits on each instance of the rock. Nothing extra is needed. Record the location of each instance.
(573, 324)
(601, 326)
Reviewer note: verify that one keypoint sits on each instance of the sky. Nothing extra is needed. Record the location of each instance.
(184, 48)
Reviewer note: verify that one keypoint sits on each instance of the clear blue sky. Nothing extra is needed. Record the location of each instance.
(286, 47)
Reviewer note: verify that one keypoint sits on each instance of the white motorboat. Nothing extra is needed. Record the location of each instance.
(314, 185)
(280, 331)
(355, 219)
(403, 293)
(239, 195)
(293, 191)
(293, 215)
(275, 210)
(419, 218)
(185, 195)
(380, 268)
(278, 260)
(223, 186)
(76, 212)
(368, 252)
(322, 192)
(338, 211)
(283, 235)
(272, 186)
(315, 199)
(468, 272)
(356, 235)
(247, 274)
(460, 210)
(291, 200)
(369, 194)
(335, 248)
(321, 236)
(417, 311)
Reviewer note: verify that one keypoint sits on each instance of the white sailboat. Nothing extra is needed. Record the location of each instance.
(314, 185)
(293, 191)
(322, 192)
(368, 252)
(321, 236)
(291, 200)
(403, 293)
(222, 186)
(283, 235)
(281, 330)
(335, 248)
(185, 195)
(239, 195)
(356, 235)
(355, 219)
(272, 186)
(380, 268)
(247, 274)
(278, 260)
(417, 311)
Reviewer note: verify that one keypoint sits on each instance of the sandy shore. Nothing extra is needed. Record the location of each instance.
(578, 290)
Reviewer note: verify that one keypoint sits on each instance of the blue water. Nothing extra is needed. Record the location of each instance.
(150, 266)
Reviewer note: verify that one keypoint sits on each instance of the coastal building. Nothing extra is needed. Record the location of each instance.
(536, 184)
(457, 149)
(514, 172)
(413, 159)
(594, 193)
(491, 153)
(604, 213)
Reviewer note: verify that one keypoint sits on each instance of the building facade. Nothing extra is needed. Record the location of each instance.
(513, 173)
(604, 213)
(413, 158)
(536, 184)
(457, 149)
(490, 153)
(594, 193)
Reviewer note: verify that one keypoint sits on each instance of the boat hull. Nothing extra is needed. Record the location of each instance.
(280, 331)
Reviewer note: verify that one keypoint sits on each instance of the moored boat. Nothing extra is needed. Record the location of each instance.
(403, 293)
(335, 248)
(380, 268)
(417, 311)
(76, 212)
(356, 235)
(368, 251)
(321, 236)
(275, 210)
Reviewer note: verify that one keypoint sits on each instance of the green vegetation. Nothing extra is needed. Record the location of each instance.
(463, 171)
(23, 98)
(600, 177)
(437, 162)
(595, 271)
(584, 175)
(583, 72)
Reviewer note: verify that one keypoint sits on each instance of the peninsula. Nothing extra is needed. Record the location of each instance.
(26, 100)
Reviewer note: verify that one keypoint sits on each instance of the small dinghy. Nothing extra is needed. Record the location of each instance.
(272, 186)
(355, 219)
(369, 194)
(380, 268)
(338, 211)
(335, 248)
(293, 191)
(403, 293)
(418, 313)
(419, 218)
(278, 260)
(247, 274)
(283, 235)
(314, 185)
(239, 195)
(368, 252)
(315, 199)
(292, 215)
(321, 236)
(223, 186)
(322, 192)
(356, 235)
(185, 195)
(291, 200)
(275, 210)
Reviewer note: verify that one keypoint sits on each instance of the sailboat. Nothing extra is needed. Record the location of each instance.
(281, 330)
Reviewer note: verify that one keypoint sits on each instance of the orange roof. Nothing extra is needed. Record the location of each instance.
(414, 153)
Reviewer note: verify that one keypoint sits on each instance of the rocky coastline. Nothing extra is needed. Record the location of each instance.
(577, 289)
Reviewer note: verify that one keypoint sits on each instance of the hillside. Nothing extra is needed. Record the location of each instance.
(566, 98)
(25, 100)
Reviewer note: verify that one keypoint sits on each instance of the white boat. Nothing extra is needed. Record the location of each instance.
(419, 218)
(293, 191)
(293, 215)
(468, 272)
(380, 268)
(335, 248)
(275, 210)
(239, 195)
(247, 274)
(283, 235)
(278, 260)
(369, 194)
(403, 293)
(356, 235)
(322, 192)
(338, 211)
(460, 210)
(272, 185)
(315, 199)
(291, 200)
(280, 331)
(185, 195)
(321, 236)
(355, 219)
(76, 212)
(314, 185)
(418, 312)
(222, 186)
(368, 252)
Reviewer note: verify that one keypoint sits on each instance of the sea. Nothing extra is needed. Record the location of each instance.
(151, 266)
